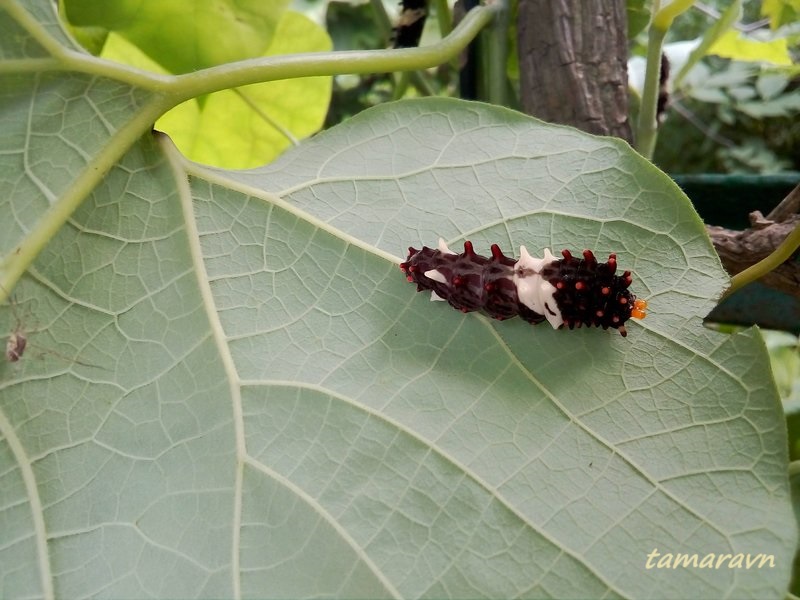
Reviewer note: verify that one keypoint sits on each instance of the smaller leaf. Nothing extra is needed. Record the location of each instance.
(737, 74)
(720, 27)
(742, 93)
(769, 85)
(753, 156)
(784, 354)
(352, 26)
(780, 12)
(736, 46)
(782, 106)
(638, 17)
(181, 35)
(712, 95)
(250, 126)
(663, 19)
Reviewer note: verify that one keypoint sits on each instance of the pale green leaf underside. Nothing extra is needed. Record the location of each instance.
(263, 406)
(385, 446)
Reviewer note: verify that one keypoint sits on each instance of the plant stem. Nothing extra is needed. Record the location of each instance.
(494, 52)
(384, 22)
(400, 85)
(291, 66)
(647, 128)
(179, 88)
(422, 85)
(444, 18)
(781, 254)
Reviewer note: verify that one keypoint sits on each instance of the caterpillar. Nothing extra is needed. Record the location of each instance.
(566, 292)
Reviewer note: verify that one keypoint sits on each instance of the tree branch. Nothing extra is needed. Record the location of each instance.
(764, 251)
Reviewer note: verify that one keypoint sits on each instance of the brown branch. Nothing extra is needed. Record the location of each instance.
(739, 250)
(788, 206)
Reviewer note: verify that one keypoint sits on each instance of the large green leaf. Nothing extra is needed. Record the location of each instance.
(231, 391)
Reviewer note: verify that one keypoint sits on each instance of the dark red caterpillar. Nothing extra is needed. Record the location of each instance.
(566, 291)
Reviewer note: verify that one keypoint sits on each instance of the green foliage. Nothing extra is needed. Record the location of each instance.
(639, 15)
(780, 12)
(784, 351)
(352, 26)
(709, 40)
(231, 391)
(179, 34)
(365, 26)
(736, 46)
(734, 115)
(249, 126)
(235, 128)
(668, 11)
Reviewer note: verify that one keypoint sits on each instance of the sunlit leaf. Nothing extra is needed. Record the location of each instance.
(736, 46)
(184, 35)
(252, 125)
(233, 128)
(714, 33)
(780, 12)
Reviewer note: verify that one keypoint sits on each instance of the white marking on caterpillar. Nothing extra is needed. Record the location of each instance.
(533, 291)
(436, 275)
(443, 247)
